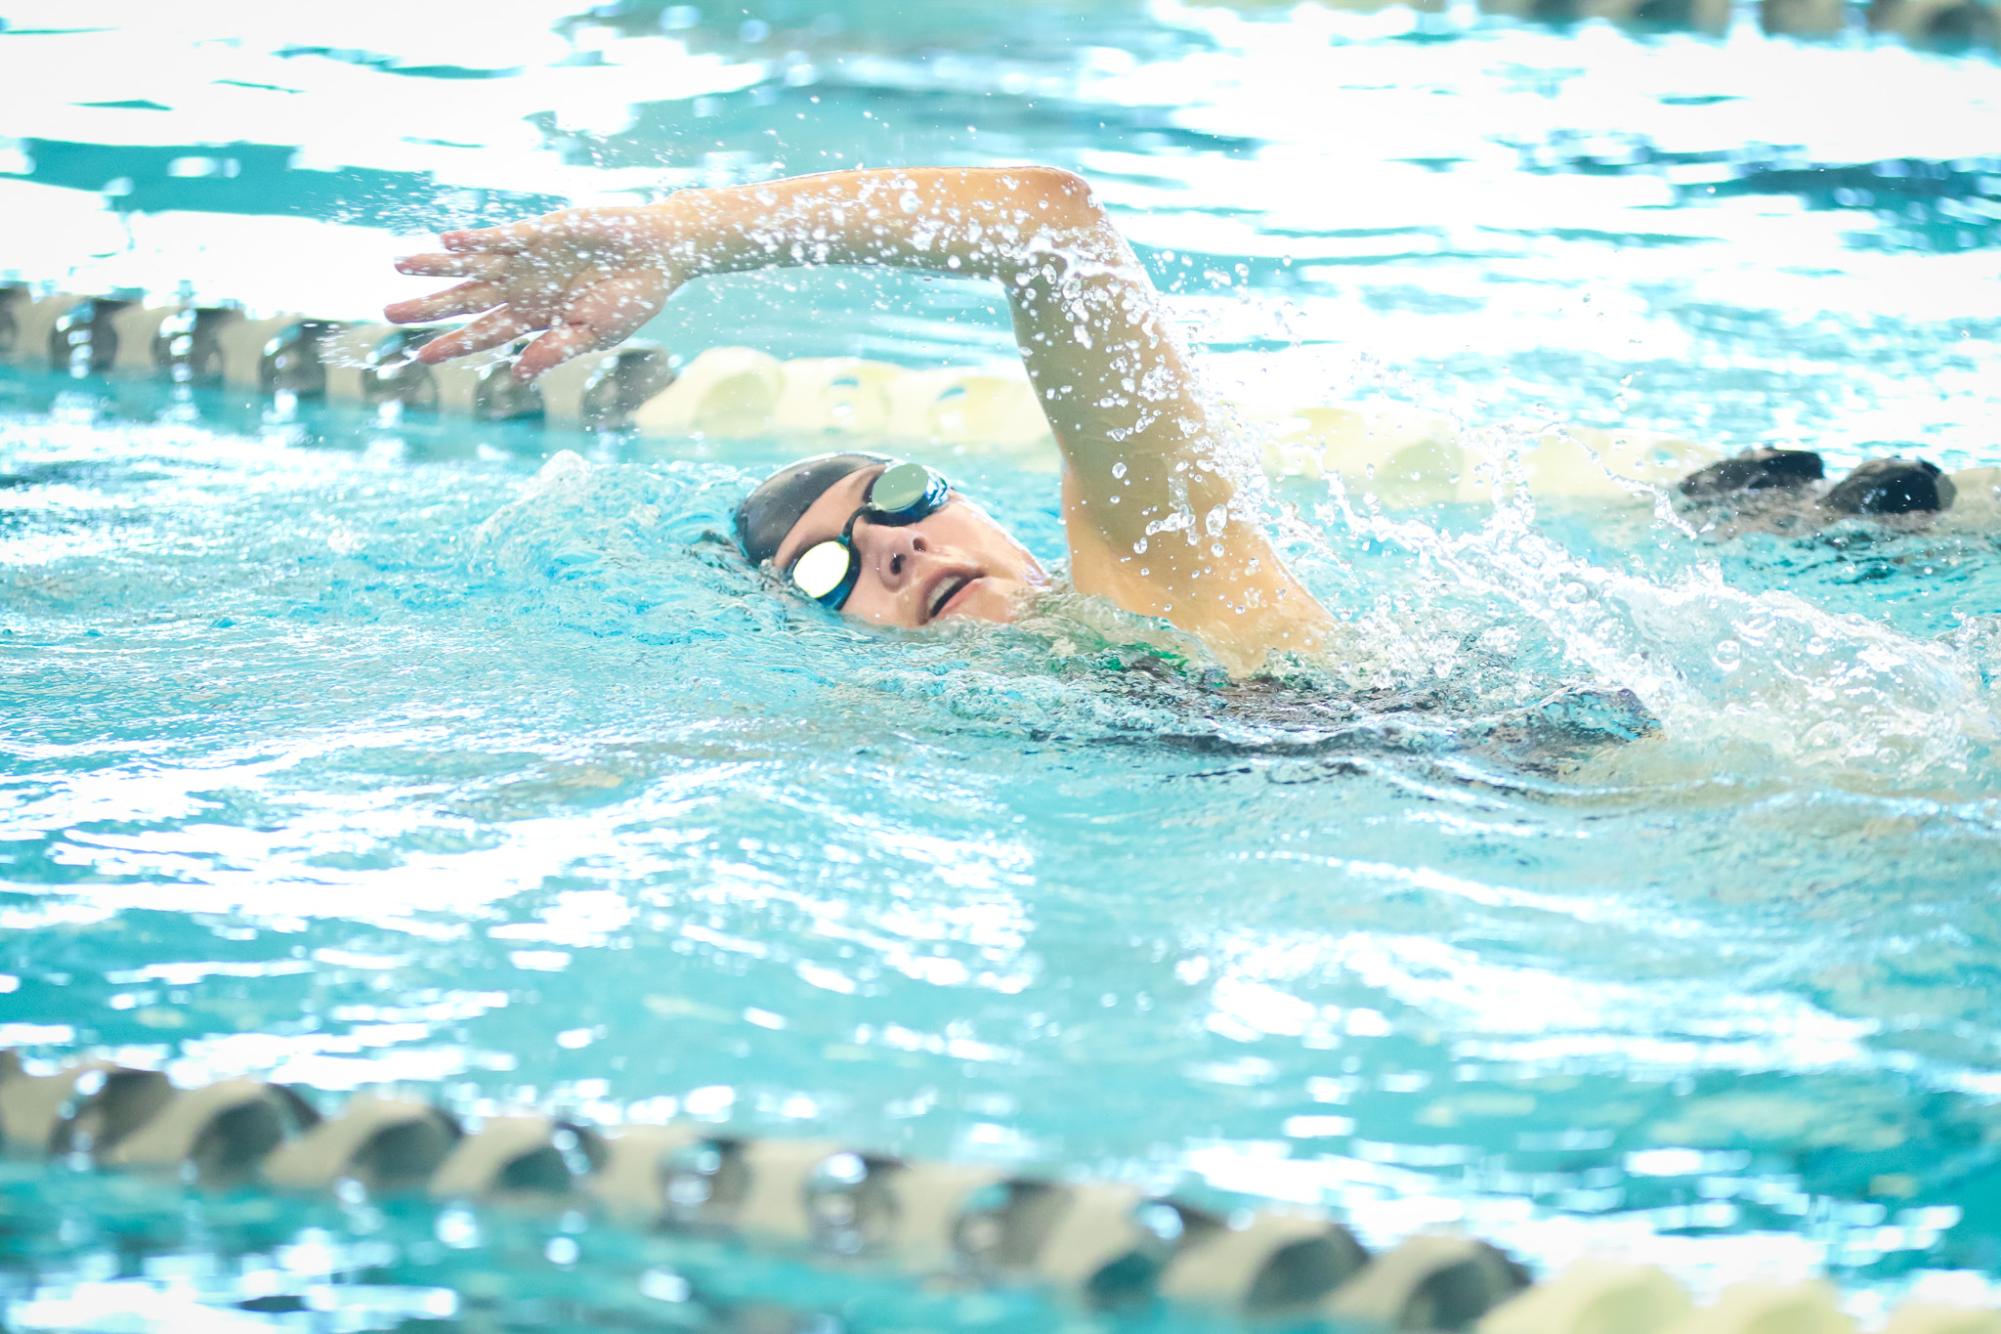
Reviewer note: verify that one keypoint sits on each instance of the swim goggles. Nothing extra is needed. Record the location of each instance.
(902, 494)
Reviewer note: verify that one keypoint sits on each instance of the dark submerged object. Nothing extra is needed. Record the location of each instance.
(1323, 734)
(1892, 486)
(85, 341)
(623, 383)
(290, 362)
(186, 345)
(1756, 470)
(1778, 490)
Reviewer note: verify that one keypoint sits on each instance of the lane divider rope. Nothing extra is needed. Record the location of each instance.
(1101, 1243)
(1399, 455)
(1951, 24)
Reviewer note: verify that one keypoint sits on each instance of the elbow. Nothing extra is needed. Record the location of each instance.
(1059, 197)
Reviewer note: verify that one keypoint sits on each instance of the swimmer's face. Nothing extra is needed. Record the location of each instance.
(955, 562)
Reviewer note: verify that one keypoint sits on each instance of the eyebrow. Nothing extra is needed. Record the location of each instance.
(871, 472)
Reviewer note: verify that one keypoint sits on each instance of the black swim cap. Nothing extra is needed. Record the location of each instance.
(768, 513)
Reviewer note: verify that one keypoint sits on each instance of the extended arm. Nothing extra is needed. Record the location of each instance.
(1154, 518)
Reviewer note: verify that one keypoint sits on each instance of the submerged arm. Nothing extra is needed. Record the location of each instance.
(1154, 518)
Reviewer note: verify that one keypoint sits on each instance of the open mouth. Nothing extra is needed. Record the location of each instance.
(947, 592)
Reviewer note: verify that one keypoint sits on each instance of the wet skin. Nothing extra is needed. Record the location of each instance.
(953, 563)
(1153, 511)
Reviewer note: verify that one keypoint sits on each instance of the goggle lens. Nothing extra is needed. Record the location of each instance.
(821, 569)
(900, 487)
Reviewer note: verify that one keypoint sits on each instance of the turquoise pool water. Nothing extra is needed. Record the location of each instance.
(464, 757)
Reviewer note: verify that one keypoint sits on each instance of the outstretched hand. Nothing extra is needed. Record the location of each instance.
(584, 278)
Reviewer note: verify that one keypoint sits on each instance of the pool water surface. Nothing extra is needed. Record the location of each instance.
(347, 750)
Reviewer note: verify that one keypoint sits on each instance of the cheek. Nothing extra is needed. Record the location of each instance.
(992, 545)
(993, 601)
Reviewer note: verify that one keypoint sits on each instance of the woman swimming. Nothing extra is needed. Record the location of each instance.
(1158, 518)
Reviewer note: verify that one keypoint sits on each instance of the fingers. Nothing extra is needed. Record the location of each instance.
(461, 300)
(607, 313)
(617, 307)
(508, 240)
(490, 330)
(554, 348)
(435, 265)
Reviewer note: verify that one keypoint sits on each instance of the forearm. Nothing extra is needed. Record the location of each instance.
(1101, 354)
(979, 222)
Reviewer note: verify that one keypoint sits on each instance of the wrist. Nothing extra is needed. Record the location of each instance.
(682, 231)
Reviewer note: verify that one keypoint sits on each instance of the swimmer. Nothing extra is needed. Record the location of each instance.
(1159, 517)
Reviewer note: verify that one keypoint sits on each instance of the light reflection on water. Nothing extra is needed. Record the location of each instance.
(359, 753)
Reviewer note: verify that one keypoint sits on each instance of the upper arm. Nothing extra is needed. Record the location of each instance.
(1151, 501)
(1218, 578)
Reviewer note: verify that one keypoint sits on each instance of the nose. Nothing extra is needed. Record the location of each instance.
(890, 550)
